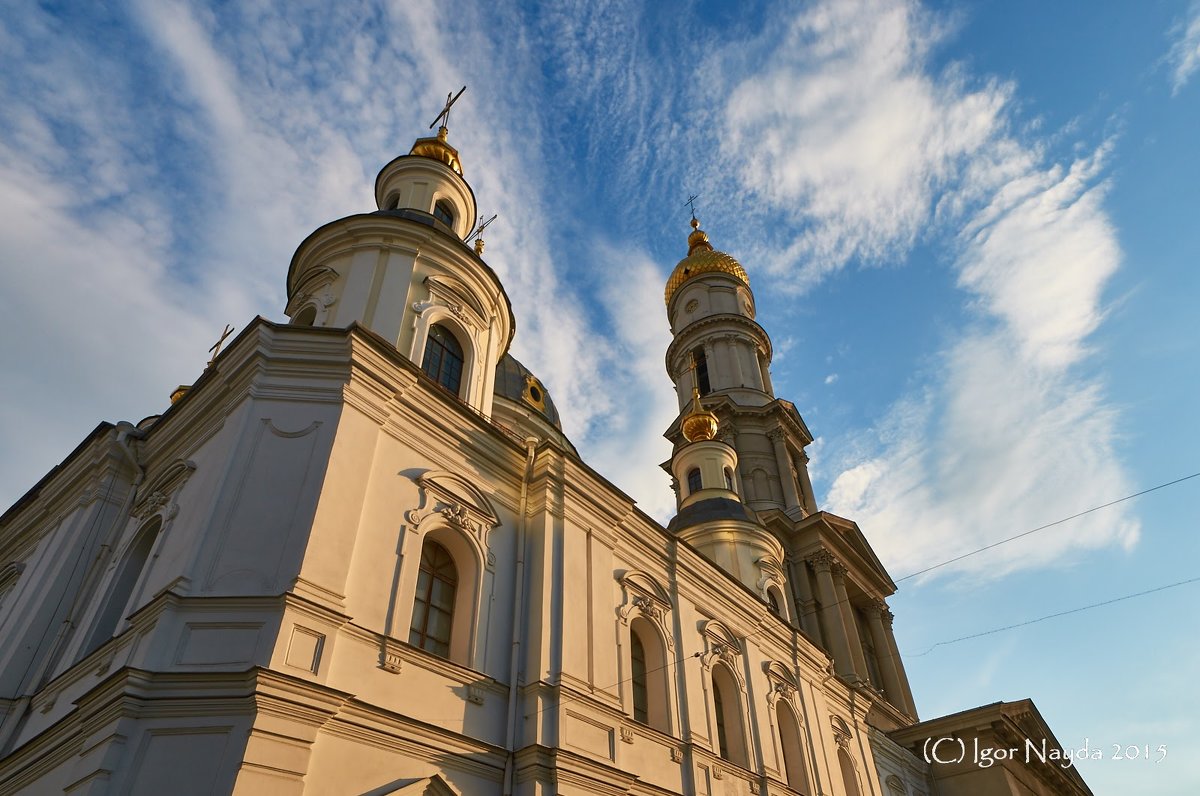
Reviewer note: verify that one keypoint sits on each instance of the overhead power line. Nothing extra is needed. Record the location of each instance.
(1044, 527)
(681, 660)
(1054, 616)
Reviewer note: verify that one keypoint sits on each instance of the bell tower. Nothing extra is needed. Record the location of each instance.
(407, 272)
(720, 352)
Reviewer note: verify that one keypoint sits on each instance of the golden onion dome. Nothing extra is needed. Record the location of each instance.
(699, 423)
(702, 258)
(438, 149)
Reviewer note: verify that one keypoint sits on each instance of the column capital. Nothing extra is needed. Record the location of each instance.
(775, 434)
(822, 561)
(887, 615)
(874, 607)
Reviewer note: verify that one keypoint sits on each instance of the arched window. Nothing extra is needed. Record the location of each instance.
(728, 717)
(637, 665)
(849, 777)
(443, 211)
(306, 316)
(392, 202)
(729, 480)
(648, 676)
(125, 580)
(792, 741)
(700, 364)
(443, 358)
(695, 484)
(433, 607)
(773, 602)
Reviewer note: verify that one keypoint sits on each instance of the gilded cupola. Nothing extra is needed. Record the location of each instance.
(699, 423)
(438, 148)
(702, 258)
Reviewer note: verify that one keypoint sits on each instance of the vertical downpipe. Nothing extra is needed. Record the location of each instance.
(518, 607)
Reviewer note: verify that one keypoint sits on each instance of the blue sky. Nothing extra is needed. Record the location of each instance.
(970, 227)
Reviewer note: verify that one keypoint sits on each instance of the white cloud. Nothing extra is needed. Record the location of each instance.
(846, 130)
(266, 135)
(1184, 55)
(831, 378)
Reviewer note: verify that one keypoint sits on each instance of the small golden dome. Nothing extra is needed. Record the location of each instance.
(438, 149)
(703, 259)
(699, 423)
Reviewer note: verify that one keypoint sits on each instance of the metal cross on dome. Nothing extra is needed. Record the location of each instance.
(216, 349)
(444, 116)
(691, 202)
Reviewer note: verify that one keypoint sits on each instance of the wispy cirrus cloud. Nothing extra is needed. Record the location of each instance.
(161, 179)
(1184, 55)
(850, 134)
(846, 130)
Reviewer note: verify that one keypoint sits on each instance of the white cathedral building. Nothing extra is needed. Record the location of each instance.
(359, 556)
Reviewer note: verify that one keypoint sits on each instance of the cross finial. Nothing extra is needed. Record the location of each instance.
(216, 349)
(691, 203)
(444, 116)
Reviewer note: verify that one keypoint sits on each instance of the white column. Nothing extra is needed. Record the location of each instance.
(887, 617)
(883, 652)
(847, 613)
(822, 563)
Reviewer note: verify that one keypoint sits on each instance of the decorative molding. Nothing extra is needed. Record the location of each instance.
(160, 493)
(456, 297)
(644, 595)
(676, 754)
(458, 503)
(627, 734)
(783, 683)
(821, 561)
(475, 694)
(390, 660)
(841, 732)
(722, 647)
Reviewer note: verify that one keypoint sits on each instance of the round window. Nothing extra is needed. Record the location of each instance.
(535, 393)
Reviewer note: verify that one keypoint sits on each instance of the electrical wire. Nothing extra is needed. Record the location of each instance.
(1044, 527)
(1051, 616)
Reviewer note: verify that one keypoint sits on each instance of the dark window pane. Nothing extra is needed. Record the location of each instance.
(443, 359)
(641, 704)
(433, 605)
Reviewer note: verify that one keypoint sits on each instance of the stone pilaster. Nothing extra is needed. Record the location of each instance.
(822, 563)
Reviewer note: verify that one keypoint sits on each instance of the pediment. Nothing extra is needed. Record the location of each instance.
(454, 490)
(425, 786)
(645, 585)
(454, 291)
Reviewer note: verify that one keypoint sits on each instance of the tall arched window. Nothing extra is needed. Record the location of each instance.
(695, 483)
(637, 665)
(125, 580)
(700, 364)
(443, 211)
(727, 713)
(433, 608)
(648, 675)
(792, 741)
(443, 358)
(729, 480)
(849, 777)
(773, 602)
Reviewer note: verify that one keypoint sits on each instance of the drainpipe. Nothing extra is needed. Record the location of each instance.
(510, 762)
